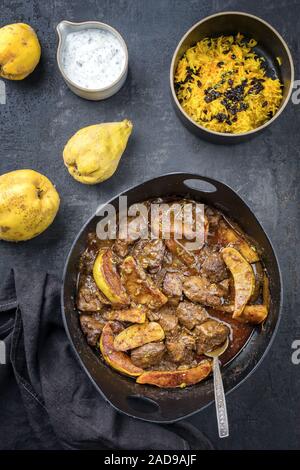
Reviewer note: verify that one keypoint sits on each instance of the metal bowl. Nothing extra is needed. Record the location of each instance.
(169, 405)
(270, 45)
(66, 27)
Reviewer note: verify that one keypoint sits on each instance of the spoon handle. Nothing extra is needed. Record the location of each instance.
(220, 400)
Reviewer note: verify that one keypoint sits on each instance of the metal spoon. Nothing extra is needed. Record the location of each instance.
(220, 400)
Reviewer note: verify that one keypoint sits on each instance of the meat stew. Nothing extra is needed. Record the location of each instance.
(152, 308)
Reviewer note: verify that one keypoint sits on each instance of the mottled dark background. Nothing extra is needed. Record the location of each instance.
(41, 114)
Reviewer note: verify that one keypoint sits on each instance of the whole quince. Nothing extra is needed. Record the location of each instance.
(20, 51)
(92, 155)
(28, 204)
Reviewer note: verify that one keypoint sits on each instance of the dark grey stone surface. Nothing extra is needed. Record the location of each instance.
(41, 114)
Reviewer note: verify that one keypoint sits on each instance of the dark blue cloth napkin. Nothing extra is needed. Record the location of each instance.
(46, 400)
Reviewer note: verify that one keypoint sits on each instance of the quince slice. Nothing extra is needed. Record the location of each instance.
(228, 236)
(138, 335)
(108, 279)
(131, 315)
(176, 378)
(243, 277)
(185, 256)
(254, 314)
(116, 359)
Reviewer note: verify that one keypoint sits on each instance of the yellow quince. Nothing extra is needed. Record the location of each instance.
(92, 155)
(28, 204)
(20, 51)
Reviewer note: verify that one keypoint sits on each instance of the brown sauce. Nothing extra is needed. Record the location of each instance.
(240, 335)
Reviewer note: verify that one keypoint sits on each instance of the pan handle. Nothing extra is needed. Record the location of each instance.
(200, 184)
(205, 189)
(193, 184)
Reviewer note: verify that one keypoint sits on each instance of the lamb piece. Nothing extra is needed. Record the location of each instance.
(190, 314)
(168, 258)
(210, 335)
(176, 350)
(89, 255)
(186, 257)
(167, 319)
(92, 326)
(158, 277)
(128, 236)
(148, 354)
(204, 253)
(121, 247)
(214, 268)
(180, 347)
(153, 315)
(149, 254)
(213, 217)
(89, 297)
(172, 287)
(140, 285)
(199, 289)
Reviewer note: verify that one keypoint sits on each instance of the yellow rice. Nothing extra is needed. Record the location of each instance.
(222, 84)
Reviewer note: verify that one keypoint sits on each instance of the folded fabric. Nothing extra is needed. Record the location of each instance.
(46, 399)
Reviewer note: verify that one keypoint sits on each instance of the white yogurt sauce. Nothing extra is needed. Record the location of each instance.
(93, 58)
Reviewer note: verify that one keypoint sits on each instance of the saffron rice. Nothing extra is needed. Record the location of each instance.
(222, 84)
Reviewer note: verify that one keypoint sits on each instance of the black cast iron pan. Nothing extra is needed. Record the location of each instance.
(151, 403)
